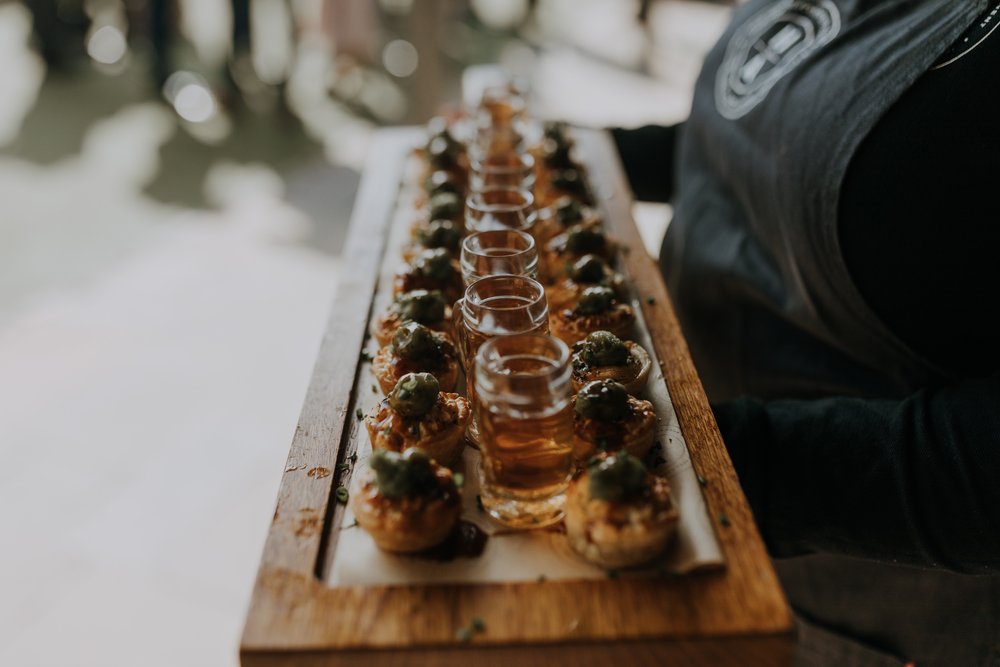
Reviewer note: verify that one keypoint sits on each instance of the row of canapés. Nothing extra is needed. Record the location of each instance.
(618, 513)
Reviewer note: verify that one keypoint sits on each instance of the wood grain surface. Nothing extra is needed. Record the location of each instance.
(734, 616)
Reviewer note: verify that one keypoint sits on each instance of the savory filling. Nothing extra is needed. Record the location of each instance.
(432, 269)
(405, 492)
(426, 307)
(440, 234)
(620, 491)
(416, 348)
(597, 309)
(618, 514)
(396, 430)
(609, 418)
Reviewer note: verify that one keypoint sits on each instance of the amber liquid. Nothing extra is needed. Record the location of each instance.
(527, 456)
(490, 326)
(495, 261)
(502, 112)
(527, 451)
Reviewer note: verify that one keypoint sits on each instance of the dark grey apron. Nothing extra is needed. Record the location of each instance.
(753, 262)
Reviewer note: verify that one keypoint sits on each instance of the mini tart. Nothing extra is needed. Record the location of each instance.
(422, 222)
(451, 155)
(571, 326)
(409, 279)
(439, 181)
(620, 534)
(386, 324)
(551, 190)
(440, 432)
(409, 524)
(434, 234)
(388, 367)
(458, 167)
(441, 206)
(635, 434)
(547, 225)
(563, 294)
(412, 250)
(633, 374)
(556, 256)
(418, 225)
(548, 186)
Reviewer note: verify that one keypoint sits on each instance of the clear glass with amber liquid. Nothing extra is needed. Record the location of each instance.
(504, 170)
(500, 121)
(499, 208)
(496, 306)
(498, 252)
(526, 428)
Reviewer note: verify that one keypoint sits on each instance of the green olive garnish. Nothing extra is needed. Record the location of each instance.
(589, 269)
(441, 181)
(436, 125)
(420, 305)
(435, 264)
(582, 240)
(444, 206)
(603, 348)
(595, 300)
(414, 341)
(569, 212)
(441, 152)
(402, 475)
(555, 129)
(616, 478)
(442, 148)
(440, 234)
(603, 400)
(414, 394)
(557, 154)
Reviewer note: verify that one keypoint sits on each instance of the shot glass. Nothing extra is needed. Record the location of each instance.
(526, 428)
(499, 208)
(495, 306)
(498, 252)
(502, 106)
(502, 170)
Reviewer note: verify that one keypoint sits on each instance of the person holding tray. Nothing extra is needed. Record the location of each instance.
(834, 228)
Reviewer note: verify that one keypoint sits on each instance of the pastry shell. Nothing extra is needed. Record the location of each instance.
(555, 256)
(406, 525)
(388, 367)
(547, 226)
(572, 327)
(386, 324)
(634, 374)
(620, 534)
(408, 279)
(566, 292)
(440, 433)
(635, 434)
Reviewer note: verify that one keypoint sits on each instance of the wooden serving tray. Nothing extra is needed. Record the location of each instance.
(734, 616)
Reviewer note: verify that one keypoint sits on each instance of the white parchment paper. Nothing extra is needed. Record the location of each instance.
(512, 556)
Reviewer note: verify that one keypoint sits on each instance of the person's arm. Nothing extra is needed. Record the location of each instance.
(648, 155)
(912, 481)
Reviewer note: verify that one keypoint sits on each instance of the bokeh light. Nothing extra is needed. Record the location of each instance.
(400, 58)
(107, 45)
(194, 103)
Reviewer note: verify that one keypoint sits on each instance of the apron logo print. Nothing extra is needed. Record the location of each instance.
(971, 38)
(767, 47)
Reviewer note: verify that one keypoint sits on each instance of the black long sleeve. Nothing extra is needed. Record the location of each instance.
(648, 154)
(911, 481)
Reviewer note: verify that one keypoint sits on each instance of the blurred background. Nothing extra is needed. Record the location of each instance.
(176, 180)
